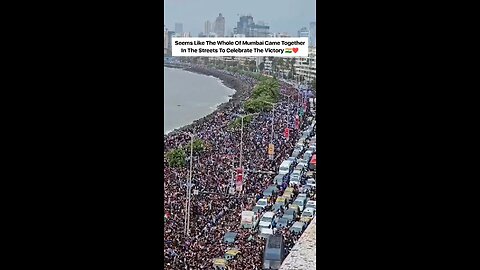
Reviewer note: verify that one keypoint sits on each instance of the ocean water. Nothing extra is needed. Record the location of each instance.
(189, 96)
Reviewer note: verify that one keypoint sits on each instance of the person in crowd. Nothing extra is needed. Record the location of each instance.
(214, 212)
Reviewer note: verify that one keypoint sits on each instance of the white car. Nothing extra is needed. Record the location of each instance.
(311, 204)
(295, 177)
(302, 196)
(262, 203)
(309, 210)
(265, 232)
(311, 182)
(299, 147)
(294, 182)
(307, 215)
(285, 167)
(302, 162)
(267, 219)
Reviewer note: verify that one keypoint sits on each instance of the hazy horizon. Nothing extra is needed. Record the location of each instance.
(281, 15)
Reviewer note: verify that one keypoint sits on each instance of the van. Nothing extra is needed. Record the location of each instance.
(274, 252)
(285, 167)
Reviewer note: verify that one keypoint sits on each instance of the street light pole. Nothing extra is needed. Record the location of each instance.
(273, 114)
(189, 187)
(241, 145)
(273, 117)
(241, 140)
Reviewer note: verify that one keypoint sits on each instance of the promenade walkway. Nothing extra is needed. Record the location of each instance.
(303, 254)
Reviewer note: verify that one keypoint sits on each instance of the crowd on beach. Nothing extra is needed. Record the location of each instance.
(214, 211)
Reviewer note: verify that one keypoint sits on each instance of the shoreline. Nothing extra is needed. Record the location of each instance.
(241, 93)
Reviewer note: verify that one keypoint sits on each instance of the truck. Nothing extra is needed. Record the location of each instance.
(249, 220)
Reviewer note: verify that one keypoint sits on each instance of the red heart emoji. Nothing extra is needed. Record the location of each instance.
(295, 50)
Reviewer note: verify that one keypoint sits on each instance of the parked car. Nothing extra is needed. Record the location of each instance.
(282, 223)
(290, 214)
(311, 183)
(307, 215)
(278, 207)
(296, 153)
(298, 227)
(285, 167)
(269, 192)
(301, 202)
(312, 148)
(307, 155)
(267, 220)
(299, 147)
(300, 168)
(294, 207)
(303, 163)
(308, 131)
(301, 141)
(295, 177)
(279, 179)
(311, 204)
(288, 195)
(302, 196)
(229, 237)
(281, 200)
(265, 232)
(293, 160)
(262, 203)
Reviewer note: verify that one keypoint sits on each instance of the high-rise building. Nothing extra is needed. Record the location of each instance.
(303, 32)
(170, 34)
(207, 27)
(246, 26)
(313, 34)
(165, 39)
(306, 67)
(285, 34)
(219, 27)
(179, 28)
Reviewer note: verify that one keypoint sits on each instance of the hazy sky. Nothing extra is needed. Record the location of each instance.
(281, 15)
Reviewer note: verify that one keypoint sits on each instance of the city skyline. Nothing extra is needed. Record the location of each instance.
(280, 15)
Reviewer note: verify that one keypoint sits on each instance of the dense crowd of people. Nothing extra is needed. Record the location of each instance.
(214, 211)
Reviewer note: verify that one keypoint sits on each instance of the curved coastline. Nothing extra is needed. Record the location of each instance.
(241, 89)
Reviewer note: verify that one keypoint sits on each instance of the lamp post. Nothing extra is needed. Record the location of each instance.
(288, 109)
(241, 140)
(273, 114)
(189, 188)
(273, 117)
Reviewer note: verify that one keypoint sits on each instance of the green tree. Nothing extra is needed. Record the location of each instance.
(176, 158)
(258, 105)
(198, 146)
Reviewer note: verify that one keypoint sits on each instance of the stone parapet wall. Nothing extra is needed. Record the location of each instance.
(303, 254)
